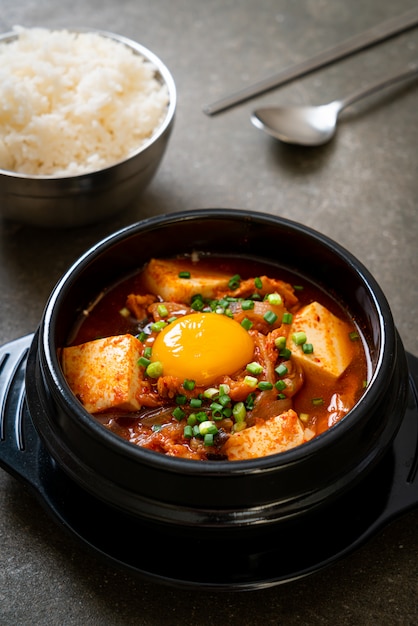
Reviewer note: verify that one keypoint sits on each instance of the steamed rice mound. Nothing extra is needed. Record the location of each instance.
(71, 103)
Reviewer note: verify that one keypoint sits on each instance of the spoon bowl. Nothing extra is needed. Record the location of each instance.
(315, 125)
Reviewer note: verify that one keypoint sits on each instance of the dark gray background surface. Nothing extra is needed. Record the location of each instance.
(361, 190)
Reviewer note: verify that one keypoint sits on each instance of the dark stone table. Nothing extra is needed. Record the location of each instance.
(361, 190)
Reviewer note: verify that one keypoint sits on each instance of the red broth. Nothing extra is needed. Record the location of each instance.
(163, 429)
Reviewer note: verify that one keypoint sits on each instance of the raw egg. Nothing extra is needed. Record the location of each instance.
(202, 347)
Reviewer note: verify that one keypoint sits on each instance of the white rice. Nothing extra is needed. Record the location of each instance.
(73, 103)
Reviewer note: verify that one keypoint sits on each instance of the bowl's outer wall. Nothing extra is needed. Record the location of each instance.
(136, 479)
(68, 202)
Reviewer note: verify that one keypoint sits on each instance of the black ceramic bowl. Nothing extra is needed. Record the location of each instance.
(237, 497)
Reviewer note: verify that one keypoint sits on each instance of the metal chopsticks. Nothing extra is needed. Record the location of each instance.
(359, 42)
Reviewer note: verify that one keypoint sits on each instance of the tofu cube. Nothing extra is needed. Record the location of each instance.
(332, 347)
(161, 278)
(275, 435)
(104, 374)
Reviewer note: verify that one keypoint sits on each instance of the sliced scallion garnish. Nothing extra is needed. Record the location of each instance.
(270, 317)
(274, 298)
(155, 369)
(239, 412)
(281, 370)
(299, 338)
(234, 282)
(246, 323)
(254, 368)
(178, 413)
(264, 385)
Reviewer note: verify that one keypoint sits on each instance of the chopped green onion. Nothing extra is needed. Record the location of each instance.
(216, 409)
(280, 342)
(251, 381)
(246, 323)
(264, 385)
(143, 361)
(317, 401)
(234, 282)
(189, 385)
(224, 389)
(280, 385)
(354, 335)
(239, 412)
(142, 336)
(208, 427)
(299, 338)
(246, 305)
(184, 274)
(239, 426)
(156, 428)
(298, 287)
(258, 283)
(249, 402)
(125, 312)
(196, 431)
(158, 326)
(188, 432)
(287, 318)
(162, 310)
(274, 298)
(208, 439)
(281, 396)
(281, 370)
(307, 348)
(192, 419)
(197, 303)
(224, 400)
(195, 403)
(304, 417)
(172, 319)
(210, 392)
(155, 369)
(254, 368)
(147, 352)
(178, 413)
(201, 416)
(181, 399)
(227, 412)
(270, 317)
(285, 353)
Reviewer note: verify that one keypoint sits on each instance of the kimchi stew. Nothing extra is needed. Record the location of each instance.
(213, 358)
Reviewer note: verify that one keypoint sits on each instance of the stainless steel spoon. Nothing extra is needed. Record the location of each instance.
(315, 125)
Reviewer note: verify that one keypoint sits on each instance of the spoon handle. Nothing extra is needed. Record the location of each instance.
(370, 37)
(377, 86)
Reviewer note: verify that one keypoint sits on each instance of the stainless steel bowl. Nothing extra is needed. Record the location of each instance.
(63, 202)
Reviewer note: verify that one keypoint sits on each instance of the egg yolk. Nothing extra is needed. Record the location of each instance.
(203, 347)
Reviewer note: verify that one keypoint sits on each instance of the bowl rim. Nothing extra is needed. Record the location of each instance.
(63, 394)
(161, 70)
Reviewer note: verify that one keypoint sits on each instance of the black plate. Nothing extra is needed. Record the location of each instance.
(278, 553)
